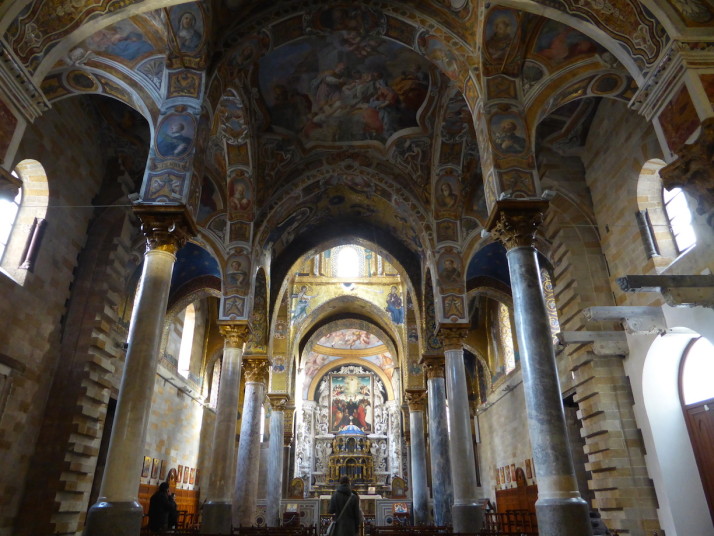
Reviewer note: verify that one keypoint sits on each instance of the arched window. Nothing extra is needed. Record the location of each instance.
(680, 218)
(215, 383)
(697, 372)
(189, 324)
(506, 336)
(22, 221)
(8, 214)
(348, 263)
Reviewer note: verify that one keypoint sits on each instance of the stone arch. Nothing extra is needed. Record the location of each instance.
(347, 361)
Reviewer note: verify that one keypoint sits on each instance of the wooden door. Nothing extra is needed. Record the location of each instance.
(700, 422)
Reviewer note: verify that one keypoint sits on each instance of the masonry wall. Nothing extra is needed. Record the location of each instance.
(64, 141)
(504, 434)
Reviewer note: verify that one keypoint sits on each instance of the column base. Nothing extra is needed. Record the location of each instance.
(115, 518)
(563, 517)
(216, 518)
(467, 518)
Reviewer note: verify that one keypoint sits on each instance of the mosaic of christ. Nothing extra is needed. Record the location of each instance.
(343, 93)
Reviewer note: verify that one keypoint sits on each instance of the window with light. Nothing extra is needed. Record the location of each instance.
(680, 218)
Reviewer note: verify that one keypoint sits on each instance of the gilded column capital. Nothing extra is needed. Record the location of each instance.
(235, 334)
(278, 401)
(693, 171)
(515, 222)
(452, 336)
(166, 227)
(416, 399)
(434, 365)
(255, 369)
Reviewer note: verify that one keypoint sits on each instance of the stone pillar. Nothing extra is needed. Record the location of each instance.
(117, 511)
(466, 514)
(246, 489)
(278, 402)
(560, 509)
(420, 500)
(442, 489)
(216, 514)
(288, 417)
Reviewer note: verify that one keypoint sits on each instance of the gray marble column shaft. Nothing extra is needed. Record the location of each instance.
(418, 458)
(118, 511)
(560, 509)
(275, 468)
(442, 489)
(246, 489)
(216, 516)
(467, 516)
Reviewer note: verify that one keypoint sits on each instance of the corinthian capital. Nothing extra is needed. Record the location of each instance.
(255, 369)
(166, 227)
(434, 365)
(452, 336)
(416, 399)
(278, 401)
(515, 222)
(235, 334)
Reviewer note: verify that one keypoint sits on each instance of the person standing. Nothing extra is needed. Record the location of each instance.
(344, 505)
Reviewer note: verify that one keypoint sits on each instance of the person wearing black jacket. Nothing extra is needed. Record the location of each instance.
(162, 509)
(347, 522)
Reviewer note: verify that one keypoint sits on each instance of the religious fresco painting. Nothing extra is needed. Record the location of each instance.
(395, 306)
(175, 135)
(447, 192)
(499, 32)
(678, 119)
(238, 273)
(508, 133)
(187, 24)
(122, 40)
(351, 402)
(557, 43)
(343, 93)
(240, 196)
(440, 54)
(449, 269)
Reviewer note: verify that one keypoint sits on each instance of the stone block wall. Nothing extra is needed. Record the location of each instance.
(65, 142)
(504, 433)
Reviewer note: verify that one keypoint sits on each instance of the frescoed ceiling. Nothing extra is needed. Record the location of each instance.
(394, 122)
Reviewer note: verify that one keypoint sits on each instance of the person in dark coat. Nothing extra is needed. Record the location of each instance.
(348, 523)
(161, 506)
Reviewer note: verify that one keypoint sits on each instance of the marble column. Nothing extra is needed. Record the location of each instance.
(117, 511)
(246, 489)
(278, 402)
(288, 418)
(466, 514)
(559, 508)
(416, 398)
(216, 513)
(442, 489)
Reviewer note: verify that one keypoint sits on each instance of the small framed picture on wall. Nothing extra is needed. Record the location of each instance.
(146, 469)
(185, 475)
(179, 474)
